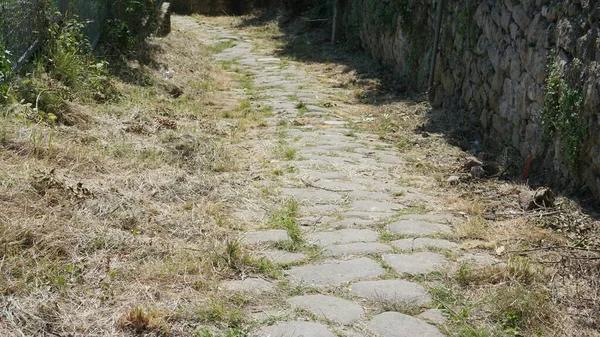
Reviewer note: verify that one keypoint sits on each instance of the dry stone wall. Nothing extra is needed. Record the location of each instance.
(494, 64)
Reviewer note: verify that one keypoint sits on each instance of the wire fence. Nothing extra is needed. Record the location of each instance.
(23, 23)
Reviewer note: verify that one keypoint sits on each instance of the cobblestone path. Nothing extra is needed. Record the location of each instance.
(375, 249)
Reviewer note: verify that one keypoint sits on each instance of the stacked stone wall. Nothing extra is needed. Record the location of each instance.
(493, 63)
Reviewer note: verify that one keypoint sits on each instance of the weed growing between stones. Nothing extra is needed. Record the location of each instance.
(221, 46)
(286, 218)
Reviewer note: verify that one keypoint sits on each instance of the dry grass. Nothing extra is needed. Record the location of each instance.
(121, 223)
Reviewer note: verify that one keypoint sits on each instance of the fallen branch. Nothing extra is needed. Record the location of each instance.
(554, 248)
(540, 214)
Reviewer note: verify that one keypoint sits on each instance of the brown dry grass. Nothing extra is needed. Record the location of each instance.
(121, 224)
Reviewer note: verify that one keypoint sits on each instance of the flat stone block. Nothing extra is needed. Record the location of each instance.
(392, 291)
(370, 195)
(337, 123)
(295, 329)
(375, 206)
(314, 220)
(417, 263)
(411, 227)
(335, 273)
(263, 237)
(329, 307)
(279, 256)
(342, 236)
(439, 218)
(321, 209)
(357, 248)
(353, 222)
(313, 196)
(369, 215)
(339, 186)
(422, 243)
(253, 285)
(394, 324)
(435, 316)
(325, 175)
(386, 158)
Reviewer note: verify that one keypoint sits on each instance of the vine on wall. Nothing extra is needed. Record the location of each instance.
(562, 106)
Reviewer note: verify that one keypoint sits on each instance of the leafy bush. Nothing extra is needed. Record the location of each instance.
(130, 23)
(67, 58)
(63, 70)
(560, 115)
(5, 73)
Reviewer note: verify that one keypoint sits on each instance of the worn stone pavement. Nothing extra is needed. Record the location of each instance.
(376, 248)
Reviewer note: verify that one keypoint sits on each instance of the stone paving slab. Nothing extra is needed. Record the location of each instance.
(375, 206)
(394, 324)
(412, 227)
(435, 316)
(357, 248)
(390, 159)
(313, 164)
(392, 291)
(253, 285)
(335, 273)
(332, 308)
(321, 209)
(369, 215)
(280, 256)
(339, 186)
(417, 263)
(314, 220)
(295, 329)
(436, 218)
(335, 122)
(264, 237)
(313, 196)
(342, 236)
(423, 243)
(315, 176)
(379, 196)
(353, 222)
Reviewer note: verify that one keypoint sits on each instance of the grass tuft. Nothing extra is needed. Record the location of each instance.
(286, 218)
(141, 320)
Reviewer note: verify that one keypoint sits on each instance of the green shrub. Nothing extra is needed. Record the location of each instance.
(130, 23)
(67, 57)
(5, 73)
(63, 70)
(560, 115)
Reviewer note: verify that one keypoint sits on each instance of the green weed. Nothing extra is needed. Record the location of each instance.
(560, 115)
(221, 46)
(286, 218)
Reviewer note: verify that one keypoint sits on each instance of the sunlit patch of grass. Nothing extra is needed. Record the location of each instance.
(286, 218)
(222, 46)
(473, 228)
